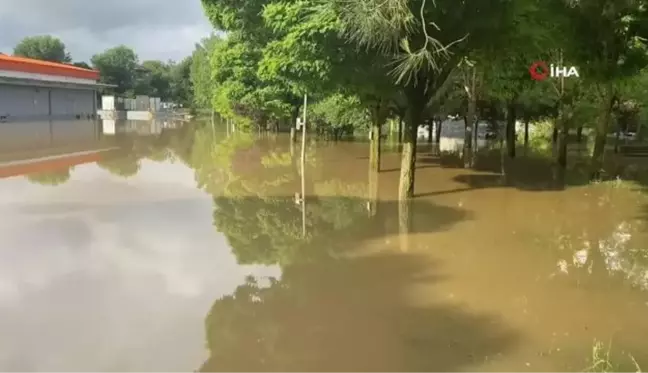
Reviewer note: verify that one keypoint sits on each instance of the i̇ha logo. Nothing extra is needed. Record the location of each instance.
(540, 71)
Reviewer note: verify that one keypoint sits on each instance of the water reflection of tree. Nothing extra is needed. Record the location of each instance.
(607, 245)
(124, 165)
(338, 308)
(51, 178)
(263, 223)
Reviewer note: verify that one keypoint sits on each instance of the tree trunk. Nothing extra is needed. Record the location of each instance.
(467, 145)
(475, 130)
(601, 134)
(400, 128)
(511, 118)
(377, 120)
(372, 204)
(438, 128)
(293, 123)
(579, 134)
(430, 138)
(562, 141)
(416, 100)
(404, 224)
(469, 121)
(526, 135)
(501, 134)
(617, 139)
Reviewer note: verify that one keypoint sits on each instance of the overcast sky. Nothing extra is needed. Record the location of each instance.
(155, 29)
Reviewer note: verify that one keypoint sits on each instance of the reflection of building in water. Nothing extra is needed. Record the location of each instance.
(30, 147)
(140, 127)
(39, 90)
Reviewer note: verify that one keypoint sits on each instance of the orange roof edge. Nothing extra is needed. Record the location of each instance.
(48, 165)
(32, 61)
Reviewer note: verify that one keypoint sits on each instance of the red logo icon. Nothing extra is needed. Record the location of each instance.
(539, 70)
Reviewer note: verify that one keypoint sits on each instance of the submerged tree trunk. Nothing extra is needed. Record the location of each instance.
(416, 100)
(511, 119)
(466, 154)
(563, 141)
(372, 203)
(639, 135)
(379, 116)
(438, 127)
(601, 134)
(293, 123)
(404, 223)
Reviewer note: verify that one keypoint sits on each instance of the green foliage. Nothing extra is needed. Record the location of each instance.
(425, 39)
(168, 80)
(304, 47)
(339, 113)
(201, 73)
(46, 47)
(50, 178)
(611, 38)
(180, 81)
(117, 66)
(540, 135)
(155, 80)
(82, 65)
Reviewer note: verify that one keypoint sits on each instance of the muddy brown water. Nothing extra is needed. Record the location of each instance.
(186, 250)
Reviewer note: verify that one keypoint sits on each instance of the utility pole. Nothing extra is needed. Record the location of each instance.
(301, 199)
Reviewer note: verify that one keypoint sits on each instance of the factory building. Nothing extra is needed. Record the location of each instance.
(32, 90)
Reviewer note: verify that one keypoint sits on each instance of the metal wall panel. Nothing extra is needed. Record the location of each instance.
(72, 102)
(33, 103)
(22, 101)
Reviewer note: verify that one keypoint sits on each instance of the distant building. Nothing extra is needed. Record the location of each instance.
(41, 90)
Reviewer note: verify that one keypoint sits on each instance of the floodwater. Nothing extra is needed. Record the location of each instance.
(187, 249)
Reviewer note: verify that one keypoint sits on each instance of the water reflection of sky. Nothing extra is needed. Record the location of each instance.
(105, 273)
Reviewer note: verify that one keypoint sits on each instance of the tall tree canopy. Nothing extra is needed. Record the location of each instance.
(45, 47)
(117, 66)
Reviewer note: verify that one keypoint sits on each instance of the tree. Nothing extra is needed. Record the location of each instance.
(82, 65)
(338, 114)
(155, 81)
(423, 64)
(117, 66)
(611, 36)
(200, 72)
(46, 48)
(181, 91)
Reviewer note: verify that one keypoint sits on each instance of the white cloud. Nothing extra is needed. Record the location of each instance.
(111, 274)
